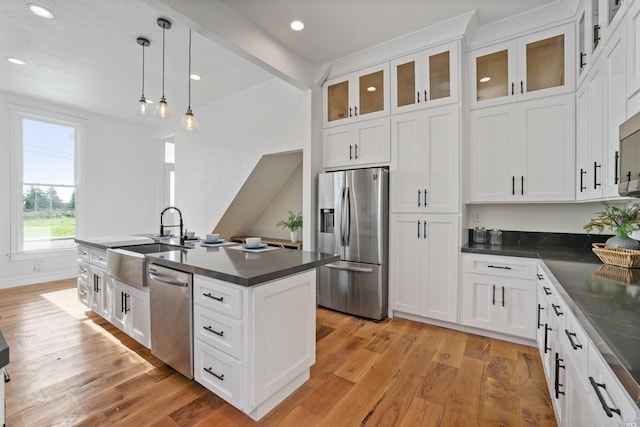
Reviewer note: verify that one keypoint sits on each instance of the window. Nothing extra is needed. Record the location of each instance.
(44, 180)
(169, 173)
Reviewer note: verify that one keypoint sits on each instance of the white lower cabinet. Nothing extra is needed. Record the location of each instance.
(502, 302)
(253, 346)
(101, 289)
(423, 266)
(131, 311)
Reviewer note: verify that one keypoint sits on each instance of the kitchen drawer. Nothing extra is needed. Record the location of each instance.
(84, 295)
(576, 343)
(83, 271)
(601, 378)
(217, 330)
(219, 373)
(98, 257)
(218, 297)
(83, 254)
(523, 268)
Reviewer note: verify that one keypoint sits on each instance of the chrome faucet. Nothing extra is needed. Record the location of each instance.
(162, 226)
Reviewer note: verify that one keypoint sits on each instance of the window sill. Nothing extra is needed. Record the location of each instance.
(52, 253)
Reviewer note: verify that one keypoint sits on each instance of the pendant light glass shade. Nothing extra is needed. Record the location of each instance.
(162, 109)
(143, 107)
(189, 123)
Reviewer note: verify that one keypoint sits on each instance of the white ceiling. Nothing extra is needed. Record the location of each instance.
(88, 58)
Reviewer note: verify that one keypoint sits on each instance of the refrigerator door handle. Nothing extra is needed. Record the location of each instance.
(342, 220)
(356, 269)
(347, 223)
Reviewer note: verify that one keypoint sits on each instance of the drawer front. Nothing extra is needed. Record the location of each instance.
(98, 257)
(217, 330)
(83, 254)
(576, 343)
(606, 390)
(84, 294)
(522, 268)
(219, 373)
(83, 271)
(218, 297)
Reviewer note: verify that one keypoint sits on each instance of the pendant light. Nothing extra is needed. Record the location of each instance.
(189, 123)
(162, 109)
(143, 106)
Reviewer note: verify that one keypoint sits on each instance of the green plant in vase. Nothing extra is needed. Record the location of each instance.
(622, 221)
(293, 223)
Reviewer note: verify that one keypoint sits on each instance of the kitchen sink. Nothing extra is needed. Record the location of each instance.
(129, 265)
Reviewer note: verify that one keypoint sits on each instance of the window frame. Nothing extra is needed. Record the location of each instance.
(17, 114)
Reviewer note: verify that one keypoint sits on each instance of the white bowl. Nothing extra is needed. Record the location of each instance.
(190, 234)
(253, 241)
(213, 237)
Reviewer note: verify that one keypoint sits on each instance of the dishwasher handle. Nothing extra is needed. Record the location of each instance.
(168, 280)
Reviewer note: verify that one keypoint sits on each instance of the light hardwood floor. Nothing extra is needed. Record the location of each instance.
(70, 367)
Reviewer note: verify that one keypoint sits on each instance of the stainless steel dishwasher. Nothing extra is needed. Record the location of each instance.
(171, 296)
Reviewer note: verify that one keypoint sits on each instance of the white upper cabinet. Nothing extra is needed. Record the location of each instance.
(633, 50)
(425, 79)
(532, 66)
(364, 143)
(357, 96)
(425, 165)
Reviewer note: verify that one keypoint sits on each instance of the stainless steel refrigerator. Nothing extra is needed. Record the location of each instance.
(353, 209)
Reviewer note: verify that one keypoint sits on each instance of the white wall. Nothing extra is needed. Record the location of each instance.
(117, 193)
(557, 218)
(234, 133)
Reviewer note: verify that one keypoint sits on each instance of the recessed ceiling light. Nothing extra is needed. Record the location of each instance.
(16, 61)
(297, 25)
(485, 79)
(42, 12)
(195, 77)
(371, 89)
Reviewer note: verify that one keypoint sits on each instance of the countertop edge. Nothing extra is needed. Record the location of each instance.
(624, 376)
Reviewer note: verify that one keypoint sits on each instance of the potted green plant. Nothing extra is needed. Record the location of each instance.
(622, 221)
(293, 223)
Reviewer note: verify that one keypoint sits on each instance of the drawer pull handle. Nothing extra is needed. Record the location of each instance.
(502, 267)
(557, 384)
(83, 293)
(99, 258)
(540, 308)
(547, 291)
(556, 308)
(210, 329)
(208, 295)
(596, 386)
(546, 338)
(573, 344)
(540, 277)
(210, 371)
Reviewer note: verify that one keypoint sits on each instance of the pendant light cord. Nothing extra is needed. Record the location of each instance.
(143, 71)
(189, 76)
(163, 31)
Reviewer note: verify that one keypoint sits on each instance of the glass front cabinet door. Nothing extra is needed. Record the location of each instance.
(533, 66)
(425, 79)
(357, 96)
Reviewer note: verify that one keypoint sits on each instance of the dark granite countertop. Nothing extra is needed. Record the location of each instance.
(242, 268)
(604, 299)
(4, 353)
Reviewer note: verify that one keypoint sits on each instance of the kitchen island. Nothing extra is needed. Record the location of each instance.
(253, 318)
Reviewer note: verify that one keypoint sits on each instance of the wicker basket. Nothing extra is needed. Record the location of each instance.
(627, 258)
(623, 276)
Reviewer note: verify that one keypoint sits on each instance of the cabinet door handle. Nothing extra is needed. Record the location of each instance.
(556, 309)
(210, 371)
(209, 295)
(570, 336)
(424, 229)
(419, 199)
(546, 338)
(350, 115)
(503, 296)
(596, 184)
(596, 35)
(521, 86)
(122, 302)
(540, 308)
(582, 56)
(501, 267)
(582, 174)
(126, 303)
(557, 384)
(356, 151)
(425, 197)
(522, 185)
(355, 111)
(513, 85)
(547, 291)
(513, 185)
(418, 95)
(616, 177)
(425, 96)
(418, 229)
(607, 409)
(350, 152)
(493, 295)
(210, 329)
(540, 276)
